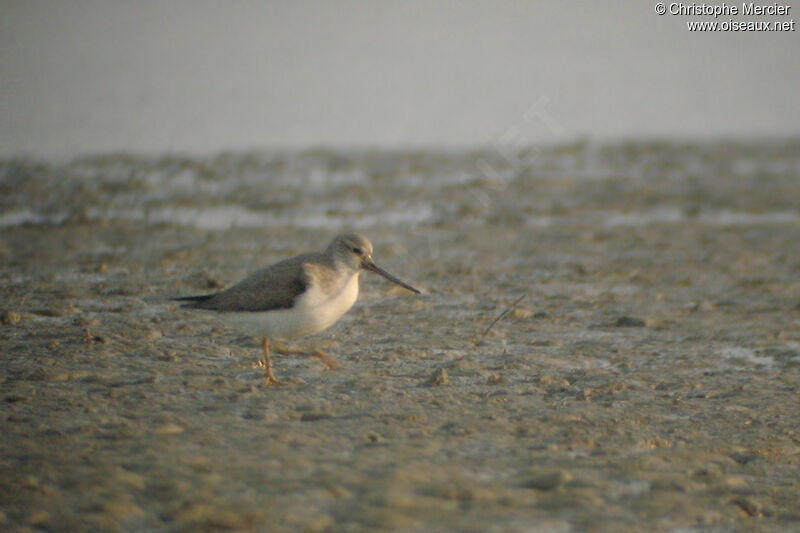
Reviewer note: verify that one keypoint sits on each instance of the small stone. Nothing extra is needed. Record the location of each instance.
(168, 429)
(495, 379)
(749, 506)
(548, 380)
(439, 377)
(735, 483)
(91, 338)
(629, 322)
(548, 480)
(521, 313)
(10, 318)
(373, 437)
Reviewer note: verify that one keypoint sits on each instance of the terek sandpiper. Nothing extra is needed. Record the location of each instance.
(296, 297)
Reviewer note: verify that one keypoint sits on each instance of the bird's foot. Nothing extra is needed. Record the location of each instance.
(270, 379)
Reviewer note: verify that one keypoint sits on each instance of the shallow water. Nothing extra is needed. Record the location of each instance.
(649, 376)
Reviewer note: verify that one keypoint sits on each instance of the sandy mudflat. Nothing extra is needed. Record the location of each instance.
(649, 380)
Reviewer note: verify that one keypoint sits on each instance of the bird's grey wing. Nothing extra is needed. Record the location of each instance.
(274, 287)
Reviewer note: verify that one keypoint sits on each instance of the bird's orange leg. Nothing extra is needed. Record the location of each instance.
(329, 361)
(270, 378)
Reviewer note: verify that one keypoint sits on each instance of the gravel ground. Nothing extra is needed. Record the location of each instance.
(647, 380)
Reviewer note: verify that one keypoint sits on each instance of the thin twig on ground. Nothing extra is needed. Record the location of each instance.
(501, 317)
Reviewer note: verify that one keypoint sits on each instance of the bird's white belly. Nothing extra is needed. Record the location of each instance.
(312, 313)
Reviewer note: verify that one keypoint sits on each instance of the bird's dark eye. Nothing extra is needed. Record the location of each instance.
(358, 251)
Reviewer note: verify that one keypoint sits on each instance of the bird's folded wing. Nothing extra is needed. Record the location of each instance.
(274, 287)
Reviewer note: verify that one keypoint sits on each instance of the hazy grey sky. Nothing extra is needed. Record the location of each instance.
(89, 76)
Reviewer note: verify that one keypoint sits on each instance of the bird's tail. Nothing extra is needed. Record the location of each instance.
(194, 301)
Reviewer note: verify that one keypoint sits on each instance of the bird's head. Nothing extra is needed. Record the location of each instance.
(354, 251)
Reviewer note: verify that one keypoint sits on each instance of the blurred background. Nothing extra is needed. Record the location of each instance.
(97, 76)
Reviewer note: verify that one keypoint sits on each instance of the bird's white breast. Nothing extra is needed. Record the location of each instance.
(313, 311)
